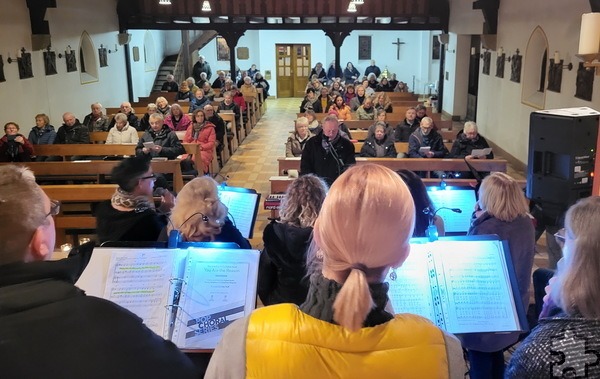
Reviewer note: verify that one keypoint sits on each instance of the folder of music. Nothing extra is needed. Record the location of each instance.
(187, 296)
(462, 284)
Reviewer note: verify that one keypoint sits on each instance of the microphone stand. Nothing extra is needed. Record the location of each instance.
(338, 160)
(432, 232)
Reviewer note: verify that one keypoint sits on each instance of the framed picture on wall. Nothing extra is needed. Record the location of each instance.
(364, 47)
(435, 48)
(222, 49)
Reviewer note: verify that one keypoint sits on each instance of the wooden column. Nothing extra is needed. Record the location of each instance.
(232, 37)
(337, 38)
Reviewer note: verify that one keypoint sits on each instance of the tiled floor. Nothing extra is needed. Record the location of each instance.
(255, 161)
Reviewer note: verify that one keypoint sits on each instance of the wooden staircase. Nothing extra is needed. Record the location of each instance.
(166, 67)
(173, 64)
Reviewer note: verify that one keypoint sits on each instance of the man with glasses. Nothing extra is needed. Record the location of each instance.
(48, 327)
(425, 142)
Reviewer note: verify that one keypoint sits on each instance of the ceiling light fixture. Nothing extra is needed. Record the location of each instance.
(206, 6)
(164, 2)
(351, 7)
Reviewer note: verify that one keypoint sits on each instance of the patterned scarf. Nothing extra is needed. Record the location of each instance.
(126, 199)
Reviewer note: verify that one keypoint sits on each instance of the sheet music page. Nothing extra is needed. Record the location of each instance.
(461, 199)
(475, 287)
(411, 291)
(139, 280)
(241, 205)
(214, 294)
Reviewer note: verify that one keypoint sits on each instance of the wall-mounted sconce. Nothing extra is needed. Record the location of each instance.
(68, 51)
(206, 6)
(17, 56)
(352, 7)
(557, 62)
(589, 41)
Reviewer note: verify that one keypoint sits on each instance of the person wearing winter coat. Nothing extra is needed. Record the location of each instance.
(201, 132)
(14, 147)
(164, 141)
(379, 145)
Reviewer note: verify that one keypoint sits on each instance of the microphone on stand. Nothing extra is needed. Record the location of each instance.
(338, 160)
(432, 232)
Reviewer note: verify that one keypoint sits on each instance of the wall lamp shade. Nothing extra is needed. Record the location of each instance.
(164, 2)
(206, 6)
(352, 7)
(589, 41)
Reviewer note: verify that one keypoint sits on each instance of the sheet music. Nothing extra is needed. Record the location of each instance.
(464, 199)
(213, 296)
(242, 206)
(474, 287)
(139, 281)
(411, 292)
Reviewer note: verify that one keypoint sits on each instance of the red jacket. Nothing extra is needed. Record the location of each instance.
(184, 122)
(206, 139)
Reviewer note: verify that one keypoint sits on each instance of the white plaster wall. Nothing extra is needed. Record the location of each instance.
(456, 81)
(464, 19)
(501, 115)
(141, 75)
(250, 39)
(20, 99)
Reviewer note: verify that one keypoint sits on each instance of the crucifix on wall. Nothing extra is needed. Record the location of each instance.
(398, 43)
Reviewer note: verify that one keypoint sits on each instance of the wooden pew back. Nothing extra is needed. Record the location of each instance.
(401, 147)
(413, 164)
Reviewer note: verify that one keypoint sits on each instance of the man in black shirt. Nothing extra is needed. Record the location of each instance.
(328, 154)
(49, 328)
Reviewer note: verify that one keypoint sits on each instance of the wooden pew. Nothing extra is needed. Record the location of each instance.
(230, 118)
(401, 147)
(413, 164)
(397, 115)
(95, 170)
(253, 112)
(68, 150)
(76, 193)
(100, 137)
(361, 135)
(98, 167)
(402, 96)
(364, 124)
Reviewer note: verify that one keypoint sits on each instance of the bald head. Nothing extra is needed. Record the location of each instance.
(69, 119)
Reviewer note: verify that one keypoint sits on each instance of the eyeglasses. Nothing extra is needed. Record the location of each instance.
(151, 176)
(560, 236)
(54, 208)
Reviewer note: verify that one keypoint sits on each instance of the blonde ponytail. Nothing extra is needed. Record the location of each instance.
(354, 302)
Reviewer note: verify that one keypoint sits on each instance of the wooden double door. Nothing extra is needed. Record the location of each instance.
(293, 68)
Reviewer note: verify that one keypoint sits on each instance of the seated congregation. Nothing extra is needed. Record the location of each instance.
(324, 283)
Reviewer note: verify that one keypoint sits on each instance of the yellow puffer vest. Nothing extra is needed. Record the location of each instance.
(283, 342)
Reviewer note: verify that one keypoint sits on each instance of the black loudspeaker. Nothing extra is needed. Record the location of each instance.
(562, 152)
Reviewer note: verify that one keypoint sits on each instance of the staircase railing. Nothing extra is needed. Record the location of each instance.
(178, 72)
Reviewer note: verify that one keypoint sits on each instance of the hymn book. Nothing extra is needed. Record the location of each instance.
(461, 284)
(187, 296)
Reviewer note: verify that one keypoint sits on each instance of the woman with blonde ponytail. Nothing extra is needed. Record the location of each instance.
(344, 328)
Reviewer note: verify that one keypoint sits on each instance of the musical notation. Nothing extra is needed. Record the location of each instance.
(462, 286)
